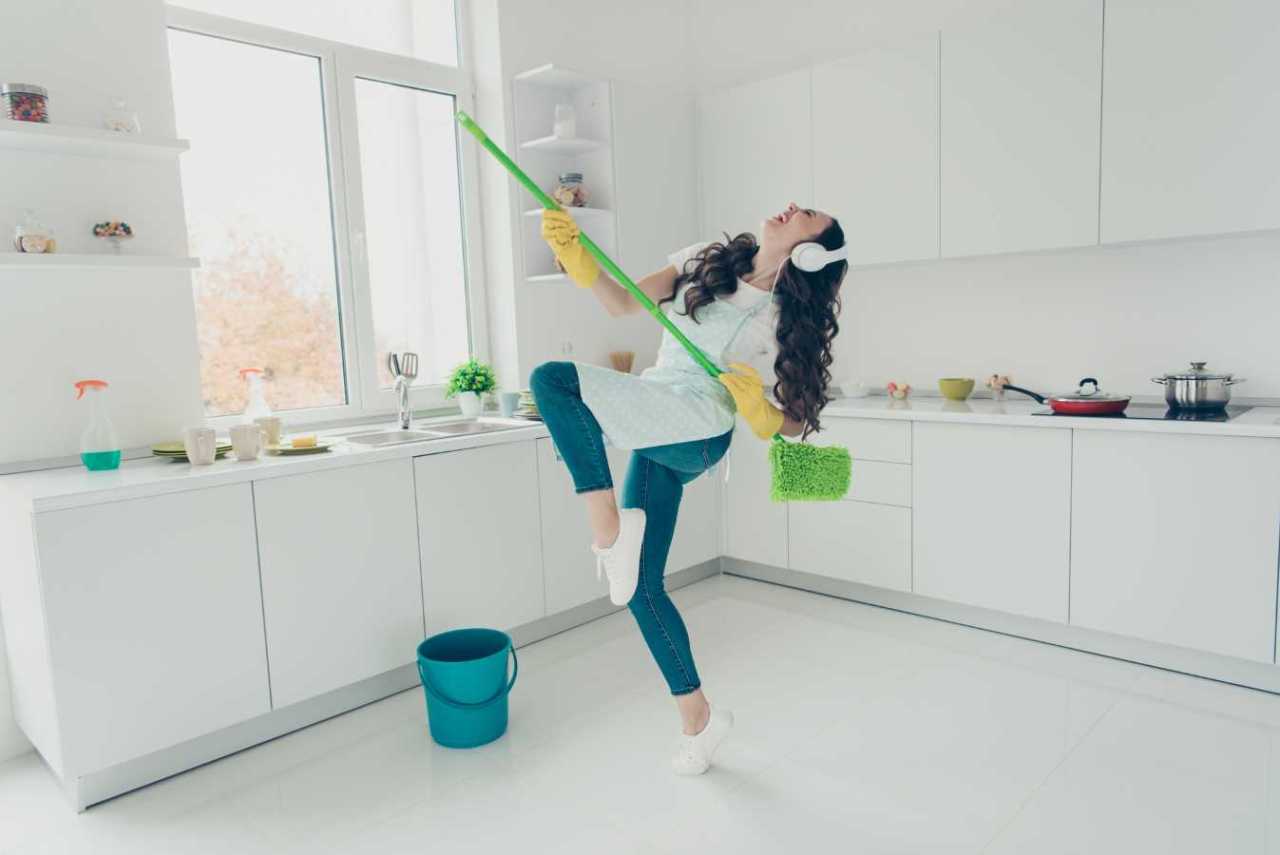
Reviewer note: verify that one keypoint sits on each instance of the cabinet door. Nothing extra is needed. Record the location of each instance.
(755, 526)
(154, 621)
(991, 516)
(340, 587)
(1174, 539)
(697, 537)
(854, 541)
(1020, 128)
(568, 563)
(754, 152)
(1191, 118)
(875, 148)
(479, 531)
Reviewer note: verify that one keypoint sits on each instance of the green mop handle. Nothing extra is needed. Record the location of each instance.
(605, 261)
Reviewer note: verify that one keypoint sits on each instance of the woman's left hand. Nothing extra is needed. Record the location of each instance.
(747, 389)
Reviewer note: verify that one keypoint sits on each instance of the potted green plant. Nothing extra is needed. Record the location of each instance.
(468, 382)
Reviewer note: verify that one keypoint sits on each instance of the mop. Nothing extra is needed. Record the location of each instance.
(800, 471)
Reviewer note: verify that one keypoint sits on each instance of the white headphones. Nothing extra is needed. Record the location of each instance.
(812, 257)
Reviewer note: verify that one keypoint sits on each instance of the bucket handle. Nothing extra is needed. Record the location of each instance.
(461, 705)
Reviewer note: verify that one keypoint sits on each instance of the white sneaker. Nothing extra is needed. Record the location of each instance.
(694, 756)
(621, 562)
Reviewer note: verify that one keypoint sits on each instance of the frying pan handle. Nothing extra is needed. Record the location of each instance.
(1039, 398)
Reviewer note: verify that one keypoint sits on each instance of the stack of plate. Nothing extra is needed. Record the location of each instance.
(528, 408)
(176, 451)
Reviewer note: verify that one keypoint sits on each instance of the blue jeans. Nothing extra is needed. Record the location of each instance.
(654, 483)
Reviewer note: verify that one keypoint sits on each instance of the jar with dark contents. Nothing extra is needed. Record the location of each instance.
(569, 191)
(25, 102)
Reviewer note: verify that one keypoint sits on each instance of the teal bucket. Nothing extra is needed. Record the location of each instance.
(464, 675)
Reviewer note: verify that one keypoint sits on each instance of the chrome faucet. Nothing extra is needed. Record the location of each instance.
(405, 369)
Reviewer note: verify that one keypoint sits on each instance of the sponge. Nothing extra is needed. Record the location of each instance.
(803, 472)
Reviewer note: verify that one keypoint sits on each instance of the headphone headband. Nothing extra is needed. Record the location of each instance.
(812, 257)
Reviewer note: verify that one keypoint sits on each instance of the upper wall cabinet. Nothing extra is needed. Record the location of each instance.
(875, 149)
(754, 152)
(1020, 128)
(1191, 118)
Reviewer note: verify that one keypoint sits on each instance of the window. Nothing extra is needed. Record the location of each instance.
(423, 29)
(258, 211)
(413, 223)
(325, 197)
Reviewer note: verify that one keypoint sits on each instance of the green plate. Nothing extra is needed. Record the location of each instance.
(288, 450)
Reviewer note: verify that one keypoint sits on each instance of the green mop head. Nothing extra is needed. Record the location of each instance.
(808, 473)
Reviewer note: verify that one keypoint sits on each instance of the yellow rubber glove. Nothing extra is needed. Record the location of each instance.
(561, 234)
(747, 389)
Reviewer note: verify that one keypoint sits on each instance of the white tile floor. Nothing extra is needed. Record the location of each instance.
(859, 730)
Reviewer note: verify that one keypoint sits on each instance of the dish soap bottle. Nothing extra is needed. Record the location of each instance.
(99, 446)
(257, 407)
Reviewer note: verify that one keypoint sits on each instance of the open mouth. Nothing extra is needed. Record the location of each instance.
(783, 217)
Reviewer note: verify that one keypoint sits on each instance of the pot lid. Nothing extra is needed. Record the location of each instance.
(1088, 391)
(1197, 372)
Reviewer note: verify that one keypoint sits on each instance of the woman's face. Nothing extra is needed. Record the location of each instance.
(780, 233)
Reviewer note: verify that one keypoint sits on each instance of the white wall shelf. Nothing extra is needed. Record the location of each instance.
(556, 76)
(558, 145)
(83, 141)
(88, 261)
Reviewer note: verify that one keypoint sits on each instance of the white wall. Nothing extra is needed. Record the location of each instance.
(1122, 314)
(642, 47)
(135, 329)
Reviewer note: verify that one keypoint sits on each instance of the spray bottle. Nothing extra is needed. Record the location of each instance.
(99, 446)
(257, 407)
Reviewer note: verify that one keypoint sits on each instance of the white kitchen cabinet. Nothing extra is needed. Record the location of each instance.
(697, 537)
(854, 541)
(755, 526)
(1020, 128)
(1174, 539)
(1191, 118)
(568, 563)
(155, 622)
(875, 148)
(341, 592)
(479, 530)
(991, 516)
(754, 152)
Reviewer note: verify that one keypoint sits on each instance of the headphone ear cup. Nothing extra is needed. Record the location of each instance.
(809, 257)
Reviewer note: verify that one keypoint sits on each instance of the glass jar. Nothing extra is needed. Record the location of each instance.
(566, 122)
(25, 102)
(569, 190)
(121, 119)
(31, 235)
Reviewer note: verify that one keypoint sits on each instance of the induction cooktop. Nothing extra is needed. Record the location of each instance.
(1160, 412)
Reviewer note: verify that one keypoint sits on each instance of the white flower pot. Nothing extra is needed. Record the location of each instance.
(470, 404)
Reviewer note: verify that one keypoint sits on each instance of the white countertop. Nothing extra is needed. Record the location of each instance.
(70, 487)
(75, 486)
(1259, 421)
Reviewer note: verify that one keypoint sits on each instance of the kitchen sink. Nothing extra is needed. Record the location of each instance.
(468, 428)
(391, 437)
(428, 432)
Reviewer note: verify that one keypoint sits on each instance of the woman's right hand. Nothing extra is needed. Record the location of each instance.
(562, 235)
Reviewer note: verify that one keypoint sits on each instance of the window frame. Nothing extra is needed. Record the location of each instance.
(340, 66)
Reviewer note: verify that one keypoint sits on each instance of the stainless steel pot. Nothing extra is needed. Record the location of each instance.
(1197, 389)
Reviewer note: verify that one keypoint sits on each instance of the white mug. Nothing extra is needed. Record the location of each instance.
(272, 428)
(201, 445)
(246, 441)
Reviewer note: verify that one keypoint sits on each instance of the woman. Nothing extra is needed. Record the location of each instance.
(747, 306)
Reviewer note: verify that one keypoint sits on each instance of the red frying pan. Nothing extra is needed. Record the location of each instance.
(1087, 400)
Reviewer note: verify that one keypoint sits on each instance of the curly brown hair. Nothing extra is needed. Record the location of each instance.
(808, 307)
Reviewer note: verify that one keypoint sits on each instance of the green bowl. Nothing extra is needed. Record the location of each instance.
(956, 388)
